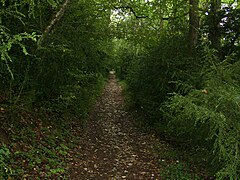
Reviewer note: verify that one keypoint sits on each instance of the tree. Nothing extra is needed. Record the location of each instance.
(193, 24)
(214, 20)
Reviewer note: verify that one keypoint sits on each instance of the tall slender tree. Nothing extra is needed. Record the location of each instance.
(214, 24)
(193, 24)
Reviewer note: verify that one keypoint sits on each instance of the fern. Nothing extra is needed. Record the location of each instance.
(211, 115)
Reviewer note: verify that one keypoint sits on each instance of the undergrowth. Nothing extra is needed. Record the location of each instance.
(39, 141)
(36, 149)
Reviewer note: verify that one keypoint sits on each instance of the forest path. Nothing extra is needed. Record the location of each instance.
(111, 146)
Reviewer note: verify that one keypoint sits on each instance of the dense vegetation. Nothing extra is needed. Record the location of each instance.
(179, 59)
(182, 76)
(53, 65)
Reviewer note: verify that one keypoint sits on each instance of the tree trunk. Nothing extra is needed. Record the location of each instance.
(193, 24)
(214, 24)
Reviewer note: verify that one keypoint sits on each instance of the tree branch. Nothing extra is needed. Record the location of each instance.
(174, 18)
(138, 17)
(55, 19)
(131, 10)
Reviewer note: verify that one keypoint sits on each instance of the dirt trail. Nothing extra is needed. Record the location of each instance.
(112, 147)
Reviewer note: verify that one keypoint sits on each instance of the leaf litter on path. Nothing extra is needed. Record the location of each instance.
(111, 147)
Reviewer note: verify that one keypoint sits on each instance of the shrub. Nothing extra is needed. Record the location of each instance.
(149, 75)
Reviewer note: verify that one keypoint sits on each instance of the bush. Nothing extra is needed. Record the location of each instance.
(193, 101)
(149, 75)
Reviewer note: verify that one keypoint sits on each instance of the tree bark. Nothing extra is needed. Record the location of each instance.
(214, 24)
(193, 24)
(55, 19)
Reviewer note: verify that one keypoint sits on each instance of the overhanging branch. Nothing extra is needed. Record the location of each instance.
(131, 10)
(139, 17)
(174, 18)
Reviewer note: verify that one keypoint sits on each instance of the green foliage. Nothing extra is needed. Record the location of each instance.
(177, 163)
(67, 66)
(125, 56)
(229, 29)
(149, 75)
(15, 19)
(73, 64)
(58, 81)
(180, 93)
(210, 117)
(39, 149)
(191, 98)
(177, 170)
(5, 170)
(200, 110)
